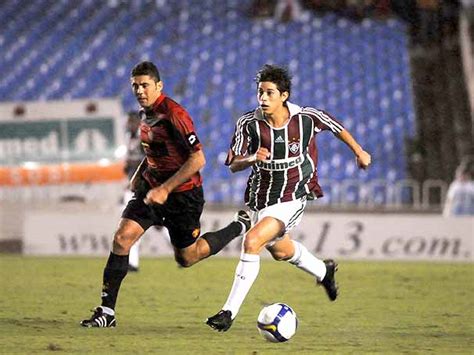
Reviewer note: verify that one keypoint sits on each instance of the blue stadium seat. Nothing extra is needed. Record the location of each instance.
(356, 71)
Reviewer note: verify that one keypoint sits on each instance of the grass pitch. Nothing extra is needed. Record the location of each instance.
(384, 307)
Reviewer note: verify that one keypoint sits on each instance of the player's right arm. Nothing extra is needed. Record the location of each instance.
(240, 156)
(240, 162)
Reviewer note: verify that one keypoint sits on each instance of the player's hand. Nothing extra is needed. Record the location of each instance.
(261, 154)
(157, 195)
(363, 159)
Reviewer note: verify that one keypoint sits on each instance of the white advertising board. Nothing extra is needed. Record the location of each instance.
(345, 236)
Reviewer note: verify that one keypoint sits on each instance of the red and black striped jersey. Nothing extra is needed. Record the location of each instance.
(168, 138)
(291, 171)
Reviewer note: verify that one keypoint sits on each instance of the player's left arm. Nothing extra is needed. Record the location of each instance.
(324, 121)
(159, 194)
(196, 160)
(363, 159)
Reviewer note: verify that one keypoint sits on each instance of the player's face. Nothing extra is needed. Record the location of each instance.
(146, 90)
(270, 98)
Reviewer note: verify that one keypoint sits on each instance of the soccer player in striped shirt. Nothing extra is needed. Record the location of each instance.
(277, 141)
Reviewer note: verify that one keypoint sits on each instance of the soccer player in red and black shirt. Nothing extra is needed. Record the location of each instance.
(277, 140)
(167, 191)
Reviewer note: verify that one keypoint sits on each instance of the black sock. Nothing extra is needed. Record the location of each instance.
(114, 272)
(220, 238)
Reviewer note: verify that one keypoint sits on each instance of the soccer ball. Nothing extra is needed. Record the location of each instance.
(277, 322)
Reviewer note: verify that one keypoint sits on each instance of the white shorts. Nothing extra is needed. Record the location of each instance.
(290, 213)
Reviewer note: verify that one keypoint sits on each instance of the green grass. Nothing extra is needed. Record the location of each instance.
(383, 308)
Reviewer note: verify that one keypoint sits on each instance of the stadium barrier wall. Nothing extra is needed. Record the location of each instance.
(37, 133)
(60, 142)
(345, 236)
(57, 151)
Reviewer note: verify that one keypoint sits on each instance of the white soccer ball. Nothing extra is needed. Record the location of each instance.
(277, 322)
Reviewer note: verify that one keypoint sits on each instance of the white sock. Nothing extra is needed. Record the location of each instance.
(243, 227)
(133, 256)
(306, 261)
(108, 310)
(245, 275)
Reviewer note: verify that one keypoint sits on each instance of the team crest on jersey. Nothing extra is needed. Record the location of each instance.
(294, 147)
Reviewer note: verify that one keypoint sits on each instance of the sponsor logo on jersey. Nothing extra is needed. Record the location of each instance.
(192, 139)
(279, 139)
(280, 164)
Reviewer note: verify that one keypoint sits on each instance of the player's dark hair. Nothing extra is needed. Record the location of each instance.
(277, 75)
(146, 68)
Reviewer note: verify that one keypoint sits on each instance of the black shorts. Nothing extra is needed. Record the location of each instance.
(180, 214)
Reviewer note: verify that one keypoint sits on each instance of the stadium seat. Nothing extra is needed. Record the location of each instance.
(356, 71)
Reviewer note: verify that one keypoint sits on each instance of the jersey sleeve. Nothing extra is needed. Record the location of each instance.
(240, 141)
(324, 121)
(183, 123)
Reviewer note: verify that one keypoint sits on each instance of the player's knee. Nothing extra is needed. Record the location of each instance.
(252, 243)
(122, 242)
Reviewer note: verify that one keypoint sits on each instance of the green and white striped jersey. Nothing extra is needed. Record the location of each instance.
(291, 171)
